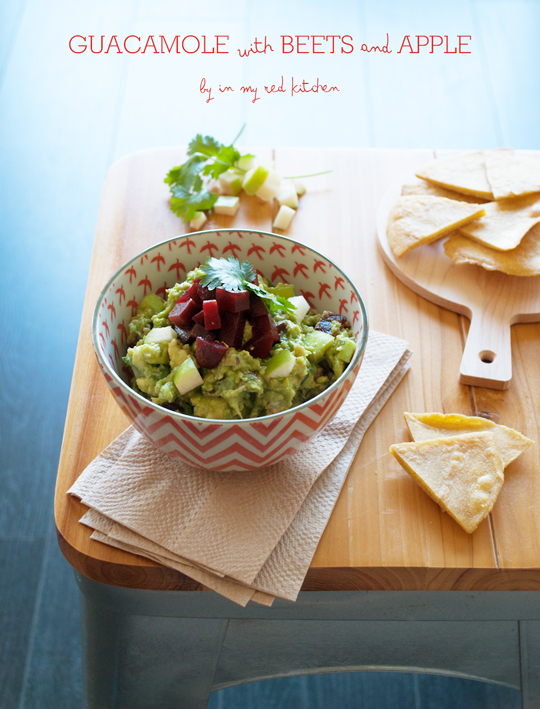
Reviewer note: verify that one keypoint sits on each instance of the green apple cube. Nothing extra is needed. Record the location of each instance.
(160, 335)
(254, 178)
(151, 302)
(347, 350)
(287, 195)
(301, 307)
(300, 187)
(285, 290)
(227, 205)
(246, 162)
(230, 182)
(187, 377)
(198, 220)
(270, 187)
(283, 217)
(317, 342)
(281, 364)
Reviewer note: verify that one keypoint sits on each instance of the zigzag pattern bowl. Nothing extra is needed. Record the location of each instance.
(209, 443)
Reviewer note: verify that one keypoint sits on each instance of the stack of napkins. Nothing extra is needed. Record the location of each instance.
(248, 535)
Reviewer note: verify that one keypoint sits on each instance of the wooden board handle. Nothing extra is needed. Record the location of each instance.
(487, 358)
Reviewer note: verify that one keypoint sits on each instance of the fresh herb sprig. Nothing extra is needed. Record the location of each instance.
(234, 276)
(188, 182)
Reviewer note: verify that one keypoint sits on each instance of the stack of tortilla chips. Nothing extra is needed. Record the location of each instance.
(489, 204)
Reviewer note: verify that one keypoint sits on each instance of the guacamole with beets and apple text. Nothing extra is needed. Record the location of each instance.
(224, 354)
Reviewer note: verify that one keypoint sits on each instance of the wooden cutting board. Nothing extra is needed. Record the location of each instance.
(492, 301)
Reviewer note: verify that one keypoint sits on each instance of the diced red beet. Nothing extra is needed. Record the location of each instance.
(205, 293)
(192, 292)
(184, 333)
(199, 318)
(232, 301)
(257, 308)
(265, 324)
(212, 319)
(232, 329)
(199, 331)
(260, 346)
(209, 354)
(183, 312)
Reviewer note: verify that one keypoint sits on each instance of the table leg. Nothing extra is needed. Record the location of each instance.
(136, 662)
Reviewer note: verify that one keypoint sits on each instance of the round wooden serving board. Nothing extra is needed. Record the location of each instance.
(492, 301)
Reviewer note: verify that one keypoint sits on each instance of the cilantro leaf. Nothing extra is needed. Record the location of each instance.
(205, 145)
(185, 174)
(185, 203)
(234, 276)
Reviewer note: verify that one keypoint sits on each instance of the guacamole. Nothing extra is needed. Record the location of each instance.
(308, 351)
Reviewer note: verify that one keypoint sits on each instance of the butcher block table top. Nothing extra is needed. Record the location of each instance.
(385, 532)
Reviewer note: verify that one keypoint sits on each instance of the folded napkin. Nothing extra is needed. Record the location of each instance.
(247, 535)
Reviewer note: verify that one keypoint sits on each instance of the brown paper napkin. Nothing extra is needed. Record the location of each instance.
(248, 536)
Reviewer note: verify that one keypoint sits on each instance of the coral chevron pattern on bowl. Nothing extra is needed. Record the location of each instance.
(208, 443)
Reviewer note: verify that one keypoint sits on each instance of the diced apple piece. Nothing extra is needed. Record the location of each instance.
(300, 187)
(347, 350)
(160, 335)
(231, 182)
(183, 312)
(198, 220)
(212, 320)
(226, 205)
(283, 217)
(246, 162)
(317, 343)
(151, 302)
(285, 290)
(187, 377)
(254, 178)
(208, 353)
(287, 195)
(301, 307)
(230, 301)
(270, 187)
(281, 364)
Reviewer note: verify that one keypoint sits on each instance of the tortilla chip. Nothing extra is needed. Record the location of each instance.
(429, 188)
(464, 173)
(524, 260)
(505, 223)
(463, 474)
(419, 219)
(510, 175)
(424, 427)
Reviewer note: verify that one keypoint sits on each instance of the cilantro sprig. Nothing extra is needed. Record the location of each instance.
(234, 276)
(188, 182)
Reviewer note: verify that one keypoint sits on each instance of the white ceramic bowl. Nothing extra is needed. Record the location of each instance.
(210, 443)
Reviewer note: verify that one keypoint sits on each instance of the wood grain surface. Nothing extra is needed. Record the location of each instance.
(385, 532)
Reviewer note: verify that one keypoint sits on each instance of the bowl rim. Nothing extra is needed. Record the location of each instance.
(197, 419)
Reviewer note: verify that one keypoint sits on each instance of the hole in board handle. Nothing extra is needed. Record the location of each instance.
(487, 356)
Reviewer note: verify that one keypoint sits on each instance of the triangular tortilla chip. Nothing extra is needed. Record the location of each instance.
(506, 222)
(463, 474)
(424, 427)
(419, 219)
(436, 191)
(524, 260)
(510, 175)
(464, 173)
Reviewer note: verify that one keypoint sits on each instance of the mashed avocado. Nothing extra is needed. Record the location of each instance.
(239, 387)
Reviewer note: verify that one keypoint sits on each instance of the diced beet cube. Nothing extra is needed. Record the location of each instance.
(205, 293)
(199, 331)
(183, 312)
(232, 329)
(232, 301)
(212, 320)
(192, 292)
(209, 354)
(265, 324)
(260, 346)
(199, 317)
(257, 308)
(184, 333)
